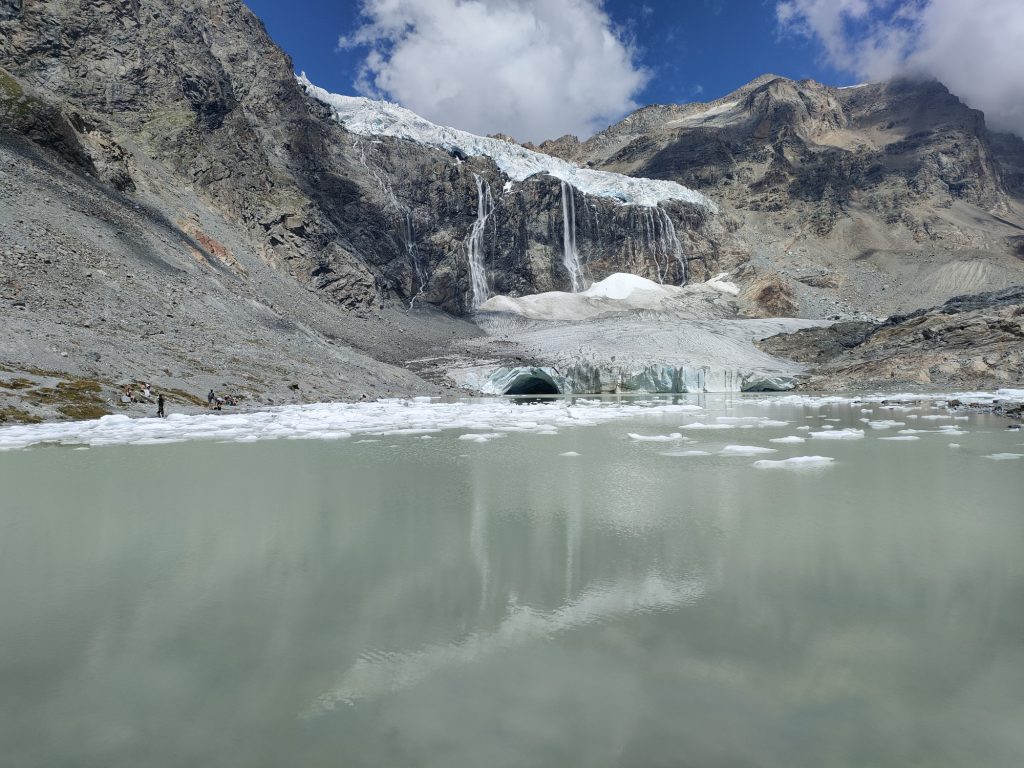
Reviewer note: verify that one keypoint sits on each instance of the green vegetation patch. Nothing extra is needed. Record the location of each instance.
(10, 414)
(15, 105)
(74, 398)
(17, 384)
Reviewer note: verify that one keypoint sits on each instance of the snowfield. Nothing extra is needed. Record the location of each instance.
(367, 117)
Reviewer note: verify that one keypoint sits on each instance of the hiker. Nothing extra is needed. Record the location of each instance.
(160, 406)
(146, 393)
(210, 398)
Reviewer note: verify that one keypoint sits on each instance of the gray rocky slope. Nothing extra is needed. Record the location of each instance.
(177, 209)
(873, 199)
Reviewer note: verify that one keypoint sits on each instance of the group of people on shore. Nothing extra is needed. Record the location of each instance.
(143, 395)
(215, 403)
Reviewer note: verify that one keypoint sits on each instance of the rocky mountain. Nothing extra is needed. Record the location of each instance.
(875, 198)
(175, 200)
(970, 342)
(179, 208)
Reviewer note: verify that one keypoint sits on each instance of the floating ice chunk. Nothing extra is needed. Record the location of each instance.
(954, 445)
(751, 421)
(886, 424)
(787, 440)
(745, 450)
(901, 437)
(656, 438)
(569, 453)
(850, 433)
(701, 425)
(950, 429)
(483, 437)
(803, 429)
(1005, 456)
(685, 453)
(797, 462)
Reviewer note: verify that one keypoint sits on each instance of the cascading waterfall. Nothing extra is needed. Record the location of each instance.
(671, 244)
(475, 245)
(570, 257)
(658, 239)
(414, 257)
(409, 230)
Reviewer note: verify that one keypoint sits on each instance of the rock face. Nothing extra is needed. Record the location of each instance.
(176, 208)
(199, 88)
(872, 199)
(970, 342)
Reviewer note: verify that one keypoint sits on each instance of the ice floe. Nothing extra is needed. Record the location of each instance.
(746, 450)
(786, 440)
(797, 462)
(1005, 456)
(675, 436)
(896, 438)
(840, 434)
(482, 421)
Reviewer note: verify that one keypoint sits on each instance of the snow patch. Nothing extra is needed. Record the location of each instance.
(620, 286)
(719, 283)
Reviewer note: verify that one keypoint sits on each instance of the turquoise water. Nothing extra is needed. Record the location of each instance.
(411, 602)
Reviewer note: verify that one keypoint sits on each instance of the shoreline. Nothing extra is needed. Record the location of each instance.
(425, 415)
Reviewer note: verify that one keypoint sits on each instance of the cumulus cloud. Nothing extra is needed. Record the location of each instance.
(534, 69)
(975, 47)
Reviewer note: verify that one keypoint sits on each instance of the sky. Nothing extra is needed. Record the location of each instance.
(538, 69)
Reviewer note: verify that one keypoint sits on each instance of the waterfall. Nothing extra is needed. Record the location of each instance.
(408, 229)
(570, 257)
(671, 244)
(475, 245)
(414, 257)
(658, 239)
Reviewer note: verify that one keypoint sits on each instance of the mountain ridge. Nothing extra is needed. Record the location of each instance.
(180, 210)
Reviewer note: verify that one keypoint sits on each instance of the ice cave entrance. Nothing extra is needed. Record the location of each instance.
(530, 381)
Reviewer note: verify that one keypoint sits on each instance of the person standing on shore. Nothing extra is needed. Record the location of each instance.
(160, 406)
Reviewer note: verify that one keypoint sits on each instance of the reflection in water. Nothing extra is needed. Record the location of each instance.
(440, 603)
(377, 673)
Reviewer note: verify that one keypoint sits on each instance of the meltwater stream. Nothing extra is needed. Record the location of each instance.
(626, 584)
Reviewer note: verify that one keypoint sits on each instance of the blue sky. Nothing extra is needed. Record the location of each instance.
(696, 50)
(504, 65)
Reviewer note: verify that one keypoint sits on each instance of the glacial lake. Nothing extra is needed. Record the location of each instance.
(420, 598)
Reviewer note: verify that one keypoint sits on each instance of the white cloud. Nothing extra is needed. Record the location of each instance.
(534, 69)
(975, 47)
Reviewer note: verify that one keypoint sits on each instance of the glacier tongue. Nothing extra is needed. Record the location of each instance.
(367, 117)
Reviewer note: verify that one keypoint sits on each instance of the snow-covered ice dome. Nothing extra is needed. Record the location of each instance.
(367, 117)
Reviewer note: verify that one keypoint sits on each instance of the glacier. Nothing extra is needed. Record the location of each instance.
(368, 117)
